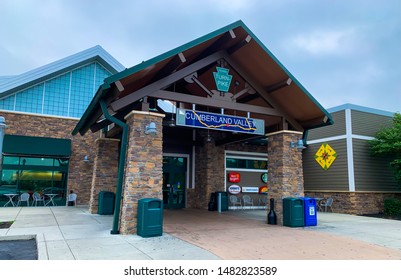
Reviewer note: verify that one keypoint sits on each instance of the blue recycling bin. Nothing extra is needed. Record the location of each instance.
(310, 213)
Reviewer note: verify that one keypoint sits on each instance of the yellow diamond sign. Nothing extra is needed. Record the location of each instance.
(325, 156)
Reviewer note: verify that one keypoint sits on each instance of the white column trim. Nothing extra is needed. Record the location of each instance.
(350, 151)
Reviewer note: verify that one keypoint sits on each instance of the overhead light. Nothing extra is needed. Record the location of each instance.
(151, 128)
(171, 121)
(209, 138)
(299, 144)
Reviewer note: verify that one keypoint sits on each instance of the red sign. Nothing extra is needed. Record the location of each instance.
(234, 177)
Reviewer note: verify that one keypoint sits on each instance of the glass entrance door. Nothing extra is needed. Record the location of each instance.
(174, 181)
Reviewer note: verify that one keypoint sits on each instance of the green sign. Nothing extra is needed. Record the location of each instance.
(222, 79)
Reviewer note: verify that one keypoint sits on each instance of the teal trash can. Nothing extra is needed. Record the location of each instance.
(293, 212)
(106, 203)
(150, 217)
(222, 201)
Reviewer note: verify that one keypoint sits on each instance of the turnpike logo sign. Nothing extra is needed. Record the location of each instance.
(325, 156)
(208, 120)
(222, 79)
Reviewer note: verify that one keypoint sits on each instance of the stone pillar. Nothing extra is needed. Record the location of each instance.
(209, 174)
(105, 170)
(285, 169)
(143, 168)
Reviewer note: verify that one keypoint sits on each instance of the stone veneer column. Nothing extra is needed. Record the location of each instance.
(209, 174)
(143, 168)
(285, 169)
(104, 171)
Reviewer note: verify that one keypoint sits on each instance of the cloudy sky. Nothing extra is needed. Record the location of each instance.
(341, 51)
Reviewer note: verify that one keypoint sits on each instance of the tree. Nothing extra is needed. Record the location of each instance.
(388, 142)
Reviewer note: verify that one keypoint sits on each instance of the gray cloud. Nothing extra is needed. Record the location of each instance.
(341, 51)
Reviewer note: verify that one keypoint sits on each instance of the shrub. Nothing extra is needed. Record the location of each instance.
(392, 207)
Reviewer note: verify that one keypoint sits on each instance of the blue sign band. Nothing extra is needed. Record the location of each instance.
(207, 120)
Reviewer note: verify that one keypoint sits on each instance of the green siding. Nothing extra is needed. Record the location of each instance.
(372, 173)
(333, 179)
(367, 124)
(338, 128)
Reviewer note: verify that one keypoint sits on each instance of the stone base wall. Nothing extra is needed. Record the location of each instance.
(105, 170)
(357, 203)
(80, 172)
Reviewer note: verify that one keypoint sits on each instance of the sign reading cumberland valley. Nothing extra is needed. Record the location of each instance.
(207, 120)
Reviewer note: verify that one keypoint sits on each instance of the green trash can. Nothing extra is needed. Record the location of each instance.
(293, 212)
(222, 201)
(150, 217)
(106, 203)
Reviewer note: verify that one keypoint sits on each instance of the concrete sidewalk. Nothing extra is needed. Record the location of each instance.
(71, 233)
(383, 232)
(65, 233)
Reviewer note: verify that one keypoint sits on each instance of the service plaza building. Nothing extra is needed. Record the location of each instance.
(218, 114)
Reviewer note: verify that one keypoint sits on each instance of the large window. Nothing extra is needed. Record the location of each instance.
(35, 174)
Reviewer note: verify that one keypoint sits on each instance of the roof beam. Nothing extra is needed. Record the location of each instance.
(236, 138)
(166, 81)
(212, 102)
(193, 78)
(170, 67)
(217, 45)
(262, 92)
(279, 85)
(236, 47)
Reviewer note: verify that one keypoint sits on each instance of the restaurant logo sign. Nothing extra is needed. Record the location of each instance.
(222, 79)
(234, 177)
(250, 189)
(234, 189)
(208, 120)
(263, 190)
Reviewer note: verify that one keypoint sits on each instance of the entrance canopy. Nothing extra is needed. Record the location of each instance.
(228, 71)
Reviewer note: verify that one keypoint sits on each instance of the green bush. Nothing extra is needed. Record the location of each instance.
(392, 207)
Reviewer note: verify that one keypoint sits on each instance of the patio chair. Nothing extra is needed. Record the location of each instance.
(72, 199)
(263, 200)
(247, 200)
(37, 198)
(235, 200)
(24, 197)
(327, 204)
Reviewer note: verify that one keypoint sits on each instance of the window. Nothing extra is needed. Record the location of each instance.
(35, 174)
(238, 163)
(66, 95)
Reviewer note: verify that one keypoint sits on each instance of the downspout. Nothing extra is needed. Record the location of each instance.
(121, 165)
